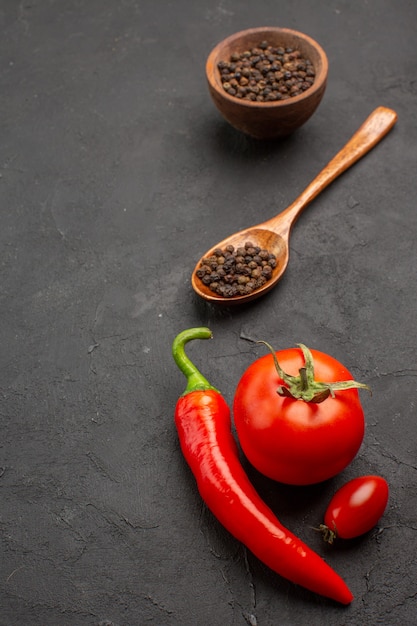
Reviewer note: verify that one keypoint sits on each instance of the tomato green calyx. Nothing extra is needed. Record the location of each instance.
(304, 386)
(329, 535)
(195, 379)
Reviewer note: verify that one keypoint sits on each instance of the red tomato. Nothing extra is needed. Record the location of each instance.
(295, 441)
(355, 508)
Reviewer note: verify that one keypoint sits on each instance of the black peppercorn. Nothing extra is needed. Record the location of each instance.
(266, 73)
(231, 272)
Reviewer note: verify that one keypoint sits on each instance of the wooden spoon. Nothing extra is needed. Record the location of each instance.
(273, 235)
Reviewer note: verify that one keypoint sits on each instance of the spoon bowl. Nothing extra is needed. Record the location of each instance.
(273, 234)
(267, 240)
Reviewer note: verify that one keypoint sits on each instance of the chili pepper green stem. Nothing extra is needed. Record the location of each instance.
(195, 379)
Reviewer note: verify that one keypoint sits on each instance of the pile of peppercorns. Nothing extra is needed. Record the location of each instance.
(266, 73)
(236, 272)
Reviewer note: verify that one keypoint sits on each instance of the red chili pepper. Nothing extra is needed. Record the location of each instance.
(202, 418)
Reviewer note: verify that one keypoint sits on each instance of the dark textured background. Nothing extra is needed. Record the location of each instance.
(116, 174)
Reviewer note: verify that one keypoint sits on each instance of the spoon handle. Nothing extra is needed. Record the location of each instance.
(375, 127)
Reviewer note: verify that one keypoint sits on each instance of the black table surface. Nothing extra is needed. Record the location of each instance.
(116, 174)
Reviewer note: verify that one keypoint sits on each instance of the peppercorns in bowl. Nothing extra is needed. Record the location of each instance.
(267, 82)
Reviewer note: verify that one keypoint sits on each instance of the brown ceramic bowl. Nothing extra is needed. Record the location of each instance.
(267, 120)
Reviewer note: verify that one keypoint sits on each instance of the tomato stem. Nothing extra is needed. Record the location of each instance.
(305, 387)
(329, 535)
(303, 378)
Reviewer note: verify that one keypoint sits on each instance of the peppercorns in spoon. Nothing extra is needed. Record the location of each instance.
(249, 263)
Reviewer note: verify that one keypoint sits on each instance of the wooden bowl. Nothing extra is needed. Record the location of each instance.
(267, 120)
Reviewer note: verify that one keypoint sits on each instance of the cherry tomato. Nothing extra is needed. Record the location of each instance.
(355, 508)
(294, 429)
